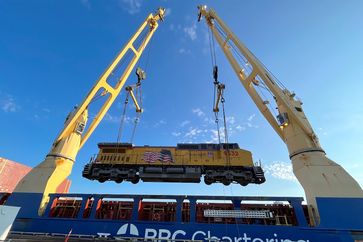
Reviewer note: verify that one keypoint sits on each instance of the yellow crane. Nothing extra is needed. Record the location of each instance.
(318, 175)
(57, 166)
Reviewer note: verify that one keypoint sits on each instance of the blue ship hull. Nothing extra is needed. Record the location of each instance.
(336, 225)
(191, 231)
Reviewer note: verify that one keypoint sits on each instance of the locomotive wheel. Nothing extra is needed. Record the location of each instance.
(208, 180)
(226, 182)
(118, 181)
(102, 180)
(135, 180)
(229, 177)
(243, 182)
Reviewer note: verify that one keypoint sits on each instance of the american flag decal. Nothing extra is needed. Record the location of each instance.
(162, 156)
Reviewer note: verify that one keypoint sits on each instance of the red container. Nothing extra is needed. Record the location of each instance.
(12, 172)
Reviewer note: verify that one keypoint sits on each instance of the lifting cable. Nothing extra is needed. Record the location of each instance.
(141, 75)
(218, 93)
(138, 114)
(113, 77)
(261, 87)
(137, 98)
(227, 140)
(136, 121)
(218, 85)
(225, 131)
(138, 92)
(215, 77)
(216, 112)
(123, 118)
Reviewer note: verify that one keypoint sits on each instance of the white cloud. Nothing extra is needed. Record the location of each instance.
(110, 118)
(176, 134)
(251, 117)
(160, 122)
(231, 120)
(207, 132)
(184, 123)
(115, 119)
(184, 51)
(209, 121)
(191, 31)
(240, 128)
(167, 12)
(131, 6)
(321, 131)
(193, 132)
(198, 112)
(250, 123)
(214, 136)
(281, 170)
(8, 105)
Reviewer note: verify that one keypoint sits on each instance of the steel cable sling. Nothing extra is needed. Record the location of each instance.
(218, 91)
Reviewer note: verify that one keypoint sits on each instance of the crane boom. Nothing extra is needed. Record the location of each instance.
(319, 176)
(57, 166)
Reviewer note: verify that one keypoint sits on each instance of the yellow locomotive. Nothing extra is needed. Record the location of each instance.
(225, 163)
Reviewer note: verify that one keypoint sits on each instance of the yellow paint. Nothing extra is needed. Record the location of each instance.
(137, 106)
(182, 157)
(318, 175)
(46, 177)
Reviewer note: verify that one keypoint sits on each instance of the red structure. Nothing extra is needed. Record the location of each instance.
(12, 172)
(283, 214)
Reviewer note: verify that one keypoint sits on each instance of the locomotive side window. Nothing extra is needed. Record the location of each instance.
(188, 146)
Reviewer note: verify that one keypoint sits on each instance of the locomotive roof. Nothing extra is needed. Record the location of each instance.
(178, 146)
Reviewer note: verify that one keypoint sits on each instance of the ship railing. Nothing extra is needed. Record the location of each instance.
(47, 236)
(53, 235)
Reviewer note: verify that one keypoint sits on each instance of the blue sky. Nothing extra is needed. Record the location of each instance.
(51, 52)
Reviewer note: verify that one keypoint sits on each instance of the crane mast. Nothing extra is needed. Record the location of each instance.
(318, 175)
(57, 166)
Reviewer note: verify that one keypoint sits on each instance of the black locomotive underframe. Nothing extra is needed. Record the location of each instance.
(167, 173)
